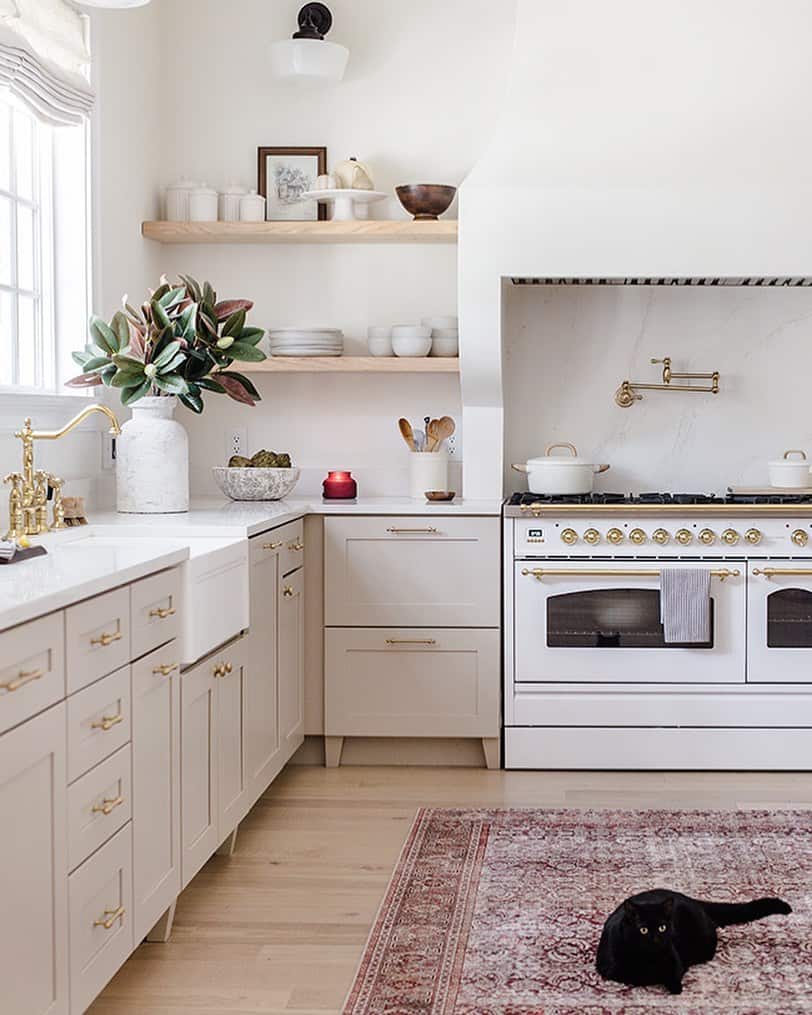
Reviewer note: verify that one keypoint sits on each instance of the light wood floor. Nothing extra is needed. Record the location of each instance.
(280, 926)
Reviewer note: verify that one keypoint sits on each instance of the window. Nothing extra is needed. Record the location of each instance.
(43, 247)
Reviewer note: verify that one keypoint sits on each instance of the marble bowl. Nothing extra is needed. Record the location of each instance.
(256, 484)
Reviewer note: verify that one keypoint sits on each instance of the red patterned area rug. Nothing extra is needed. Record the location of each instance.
(500, 912)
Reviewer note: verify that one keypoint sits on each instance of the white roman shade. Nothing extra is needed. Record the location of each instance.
(44, 58)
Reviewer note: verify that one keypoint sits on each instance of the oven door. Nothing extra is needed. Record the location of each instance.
(599, 622)
(779, 623)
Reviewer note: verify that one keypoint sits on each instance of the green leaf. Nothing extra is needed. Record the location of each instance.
(108, 374)
(130, 395)
(160, 316)
(128, 363)
(166, 354)
(96, 364)
(174, 364)
(193, 402)
(121, 328)
(193, 287)
(251, 336)
(187, 323)
(80, 358)
(173, 385)
(246, 383)
(209, 295)
(160, 292)
(234, 324)
(102, 336)
(246, 353)
(210, 385)
(128, 379)
(172, 298)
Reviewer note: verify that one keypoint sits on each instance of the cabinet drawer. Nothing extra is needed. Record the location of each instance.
(100, 903)
(400, 682)
(32, 669)
(97, 634)
(291, 554)
(98, 805)
(154, 616)
(98, 722)
(412, 572)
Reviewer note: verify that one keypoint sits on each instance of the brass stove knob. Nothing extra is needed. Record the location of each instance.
(730, 536)
(707, 536)
(684, 536)
(637, 536)
(753, 536)
(615, 536)
(569, 536)
(660, 536)
(799, 537)
(592, 536)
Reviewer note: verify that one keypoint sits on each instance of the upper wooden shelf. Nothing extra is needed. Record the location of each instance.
(396, 231)
(352, 365)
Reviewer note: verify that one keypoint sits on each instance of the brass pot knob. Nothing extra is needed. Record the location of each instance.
(569, 536)
(707, 536)
(730, 537)
(637, 536)
(660, 536)
(753, 536)
(799, 537)
(684, 536)
(615, 536)
(592, 536)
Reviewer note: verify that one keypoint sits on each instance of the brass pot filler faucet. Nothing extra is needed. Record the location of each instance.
(28, 499)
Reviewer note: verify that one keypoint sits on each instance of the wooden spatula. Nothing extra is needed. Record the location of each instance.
(407, 434)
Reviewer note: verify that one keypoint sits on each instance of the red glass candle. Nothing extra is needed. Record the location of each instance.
(340, 486)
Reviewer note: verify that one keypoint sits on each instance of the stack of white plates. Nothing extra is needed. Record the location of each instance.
(306, 342)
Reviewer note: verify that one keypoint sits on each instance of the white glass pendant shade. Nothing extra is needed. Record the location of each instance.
(314, 61)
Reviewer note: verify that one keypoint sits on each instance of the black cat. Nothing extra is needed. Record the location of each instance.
(655, 936)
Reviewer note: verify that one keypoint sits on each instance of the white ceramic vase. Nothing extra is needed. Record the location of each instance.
(152, 460)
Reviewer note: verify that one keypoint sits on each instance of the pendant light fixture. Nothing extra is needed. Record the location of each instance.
(308, 58)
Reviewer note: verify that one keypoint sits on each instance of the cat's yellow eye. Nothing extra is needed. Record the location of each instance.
(644, 930)
(662, 928)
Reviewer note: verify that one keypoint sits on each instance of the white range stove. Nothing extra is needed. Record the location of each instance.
(589, 680)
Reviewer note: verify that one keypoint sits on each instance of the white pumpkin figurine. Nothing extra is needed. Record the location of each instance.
(353, 175)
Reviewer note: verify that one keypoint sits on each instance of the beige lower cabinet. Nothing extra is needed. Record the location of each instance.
(291, 662)
(33, 867)
(198, 767)
(232, 789)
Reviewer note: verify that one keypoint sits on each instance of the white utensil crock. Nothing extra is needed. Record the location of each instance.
(791, 472)
(152, 460)
(428, 470)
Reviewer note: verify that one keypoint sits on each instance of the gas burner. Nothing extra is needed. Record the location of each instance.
(676, 498)
(518, 499)
(768, 498)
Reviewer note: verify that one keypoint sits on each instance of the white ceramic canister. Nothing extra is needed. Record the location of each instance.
(203, 204)
(428, 470)
(229, 205)
(252, 207)
(177, 200)
(152, 460)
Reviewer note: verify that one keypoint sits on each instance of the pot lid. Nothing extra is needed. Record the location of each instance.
(569, 458)
(791, 458)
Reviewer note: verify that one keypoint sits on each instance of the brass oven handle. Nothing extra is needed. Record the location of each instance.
(22, 678)
(272, 546)
(542, 572)
(411, 641)
(106, 639)
(425, 532)
(165, 669)
(107, 806)
(769, 572)
(162, 614)
(111, 917)
(107, 722)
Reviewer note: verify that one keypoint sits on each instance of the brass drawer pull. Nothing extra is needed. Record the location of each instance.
(287, 592)
(106, 639)
(107, 722)
(771, 572)
(165, 669)
(411, 641)
(272, 546)
(111, 917)
(424, 532)
(223, 670)
(107, 806)
(296, 546)
(22, 678)
(162, 614)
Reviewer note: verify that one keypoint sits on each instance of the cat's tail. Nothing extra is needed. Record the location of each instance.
(724, 914)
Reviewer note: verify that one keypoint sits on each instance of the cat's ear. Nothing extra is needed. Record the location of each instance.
(629, 908)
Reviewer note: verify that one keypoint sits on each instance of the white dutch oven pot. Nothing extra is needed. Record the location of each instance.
(792, 472)
(560, 474)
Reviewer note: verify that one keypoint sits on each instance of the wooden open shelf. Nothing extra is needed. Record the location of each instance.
(399, 231)
(351, 365)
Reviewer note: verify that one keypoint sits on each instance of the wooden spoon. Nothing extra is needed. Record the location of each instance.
(407, 434)
(440, 430)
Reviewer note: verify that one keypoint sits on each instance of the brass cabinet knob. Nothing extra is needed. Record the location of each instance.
(615, 536)
(799, 537)
(637, 536)
(660, 536)
(753, 536)
(592, 536)
(730, 536)
(287, 592)
(707, 536)
(569, 536)
(684, 536)
(229, 668)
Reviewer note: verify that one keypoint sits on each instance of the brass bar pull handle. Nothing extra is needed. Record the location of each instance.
(770, 572)
(165, 669)
(296, 546)
(425, 532)
(106, 639)
(542, 572)
(411, 641)
(21, 680)
(162, 614)
(111, 917)
(107, 722)
(272, 546)
(107, 806)
(223, 670)
(287, 592)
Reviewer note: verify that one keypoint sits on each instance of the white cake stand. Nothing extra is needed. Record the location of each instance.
(348, 205)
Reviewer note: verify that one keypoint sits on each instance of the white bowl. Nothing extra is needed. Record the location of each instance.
(373, 332)
(256, 484)
(445, 333)
(410, 331)
(440, 322)
(408, 345)
(380, 346)
(445, 347)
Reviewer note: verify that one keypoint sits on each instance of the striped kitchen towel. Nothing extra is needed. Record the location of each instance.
(685, 605)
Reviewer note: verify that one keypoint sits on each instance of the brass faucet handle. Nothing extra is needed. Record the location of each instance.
(59, 504)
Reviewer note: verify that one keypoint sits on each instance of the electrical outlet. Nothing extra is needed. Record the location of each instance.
(236, 442)
(454, 446)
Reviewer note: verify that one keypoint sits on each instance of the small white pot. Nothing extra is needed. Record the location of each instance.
(428, 470)
(559, 475)
(790, 472)
(152, 460)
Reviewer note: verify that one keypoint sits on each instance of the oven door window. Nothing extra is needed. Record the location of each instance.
(611, 618)
(789, 619)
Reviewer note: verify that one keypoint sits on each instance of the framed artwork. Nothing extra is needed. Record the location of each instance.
(284, 175)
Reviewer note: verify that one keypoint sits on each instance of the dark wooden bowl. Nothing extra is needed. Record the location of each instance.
(440, 496)
(426, 200)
